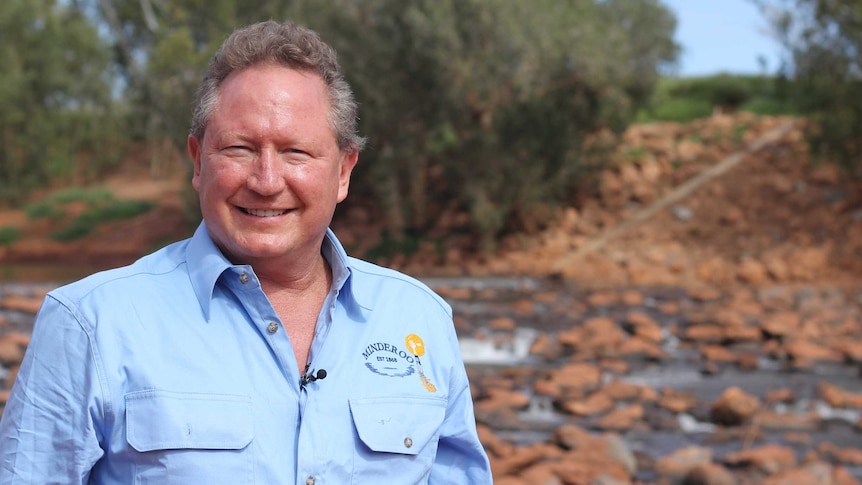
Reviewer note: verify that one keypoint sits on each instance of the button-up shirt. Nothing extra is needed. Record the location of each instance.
(177, 370)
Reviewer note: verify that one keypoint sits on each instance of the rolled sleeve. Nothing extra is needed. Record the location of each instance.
(48, 432)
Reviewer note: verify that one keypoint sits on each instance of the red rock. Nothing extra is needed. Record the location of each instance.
(632, 298)
(752, 272)
(546, 346)
(673, 468)
(577, 376)
(503, 323)
(596, 403)
(770, 420)
(21, 304)
(603, 299)
(768, 459)
(734, 407)
(619, 390)
(492, 443)
(842, 455)
(12, 347)
(742, 334)
(816, 473)
(677, 401)
(781, 324)
(639, 347)
(622, 418)
(838, 397)
(704, 333)
(806, 351)
(709, 474)
(717, 353)
(704, 293)
(497, 399)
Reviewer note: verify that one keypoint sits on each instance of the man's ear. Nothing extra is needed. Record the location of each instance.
(348, 161)
(194, 147)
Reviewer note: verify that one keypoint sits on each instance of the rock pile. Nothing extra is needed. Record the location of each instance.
(788, 420)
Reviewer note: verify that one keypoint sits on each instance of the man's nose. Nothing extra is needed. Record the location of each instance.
(266, 178)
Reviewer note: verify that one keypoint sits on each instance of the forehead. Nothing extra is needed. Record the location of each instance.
(273, 96)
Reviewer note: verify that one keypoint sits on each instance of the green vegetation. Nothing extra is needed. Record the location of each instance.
(824, 41)
(9, 234)
(100, 206)
(686, 99)
(472, 107)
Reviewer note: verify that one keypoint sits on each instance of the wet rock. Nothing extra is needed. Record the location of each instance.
(677, 401)
(619, 390)
(638, 347)
(710, 474)
(705, 333)
(806, 351)
(595, 403)
(546, 347)
(20, 303)
(773, 421)
(781, 324)
(12, 347)
(640, 324)
(497, 399)
(842, 455)
(752, 272)
(817, 473)
(768, 459)
(734, 407)
(717, 353)
(503, 324)
(675, 467)
(577, 378)
(838, 397)
(622, 418)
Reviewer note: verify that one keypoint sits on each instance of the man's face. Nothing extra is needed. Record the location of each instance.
(268, 170)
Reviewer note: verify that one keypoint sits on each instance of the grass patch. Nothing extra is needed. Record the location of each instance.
(115, 210)
(73, 231)
(100, 206)
(9, 234)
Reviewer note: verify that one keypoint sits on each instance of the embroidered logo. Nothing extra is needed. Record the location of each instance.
(389, 360)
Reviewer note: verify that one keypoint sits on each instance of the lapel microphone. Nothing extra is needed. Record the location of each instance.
(310, 376)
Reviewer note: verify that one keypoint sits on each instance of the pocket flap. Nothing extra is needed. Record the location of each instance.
(398, 424)
(164, 420)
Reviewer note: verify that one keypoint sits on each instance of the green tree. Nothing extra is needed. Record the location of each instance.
(56, 111)
(824, 43)
(481, 107)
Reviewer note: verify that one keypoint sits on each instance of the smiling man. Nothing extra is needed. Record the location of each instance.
(257, 351)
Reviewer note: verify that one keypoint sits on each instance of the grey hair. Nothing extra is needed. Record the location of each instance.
(286, 44)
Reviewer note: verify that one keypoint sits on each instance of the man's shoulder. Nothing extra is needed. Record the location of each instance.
(370, 277)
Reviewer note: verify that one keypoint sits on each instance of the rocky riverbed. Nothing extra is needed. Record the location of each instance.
(638, 385)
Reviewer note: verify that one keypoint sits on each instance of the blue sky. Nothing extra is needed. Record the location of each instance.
(722, 36)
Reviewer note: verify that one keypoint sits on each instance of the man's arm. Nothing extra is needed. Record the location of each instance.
(49, 429)
(460, 458)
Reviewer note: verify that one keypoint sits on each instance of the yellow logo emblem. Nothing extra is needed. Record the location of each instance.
(417, 348)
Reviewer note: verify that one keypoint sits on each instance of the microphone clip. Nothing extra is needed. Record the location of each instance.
(311, 376)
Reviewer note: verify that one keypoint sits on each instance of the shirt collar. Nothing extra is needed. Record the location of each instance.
(206, 263)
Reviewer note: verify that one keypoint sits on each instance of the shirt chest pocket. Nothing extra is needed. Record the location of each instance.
(396, 435)
(181, 438)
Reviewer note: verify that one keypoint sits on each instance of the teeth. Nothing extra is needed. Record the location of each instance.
(265, 212)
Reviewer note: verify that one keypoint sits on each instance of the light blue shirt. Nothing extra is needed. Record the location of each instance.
(177, 370)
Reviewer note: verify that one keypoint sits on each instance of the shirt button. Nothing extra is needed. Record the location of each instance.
(309, 481)
(243, 278)
(408, 442)
(272, 327)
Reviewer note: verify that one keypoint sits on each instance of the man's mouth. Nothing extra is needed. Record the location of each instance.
(265, 212)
